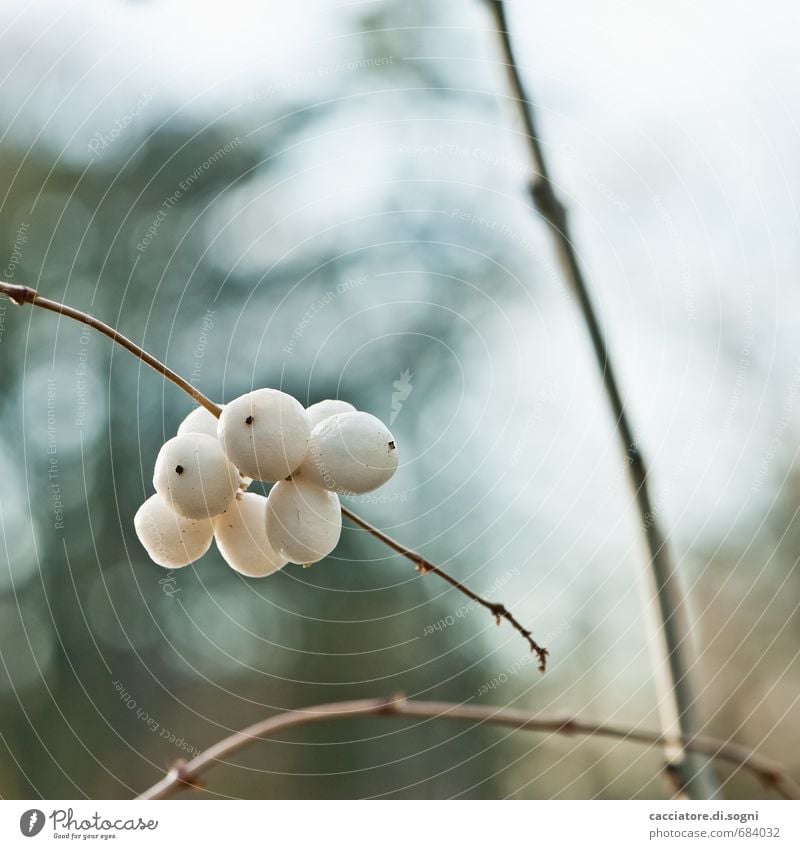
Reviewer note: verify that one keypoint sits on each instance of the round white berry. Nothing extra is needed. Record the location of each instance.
(350, 453)
(171, 540)
(265, 434)
(325, 409)
(241, 536)
(304, 522)
(199, 421)
(194, 476)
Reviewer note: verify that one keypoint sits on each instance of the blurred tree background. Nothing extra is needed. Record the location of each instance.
(321, 199)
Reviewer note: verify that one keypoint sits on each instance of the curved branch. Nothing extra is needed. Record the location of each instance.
(26, 295)
(20, 295)
(189, 774)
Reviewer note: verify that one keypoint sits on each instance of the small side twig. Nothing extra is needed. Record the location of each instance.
(20, 295)
(771, 775)
(423, 566)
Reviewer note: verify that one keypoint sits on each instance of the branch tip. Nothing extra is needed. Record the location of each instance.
(423, 567)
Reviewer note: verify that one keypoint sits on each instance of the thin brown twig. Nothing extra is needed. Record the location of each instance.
(499, 611)
(20, 295)
(189, 774)
(671, 600)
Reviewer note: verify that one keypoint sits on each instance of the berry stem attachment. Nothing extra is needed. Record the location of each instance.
(187, 774)
(21, 295)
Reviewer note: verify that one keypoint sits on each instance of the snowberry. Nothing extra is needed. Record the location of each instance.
(265, 434)
(304, 522)
(325, 409)
(350, 453)
(241, 536)
(193, 475)
(171, 540)
(199, 421)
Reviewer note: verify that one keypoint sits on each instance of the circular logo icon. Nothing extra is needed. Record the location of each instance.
(31, 822)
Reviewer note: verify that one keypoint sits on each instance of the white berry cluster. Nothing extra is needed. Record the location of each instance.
(202, 474)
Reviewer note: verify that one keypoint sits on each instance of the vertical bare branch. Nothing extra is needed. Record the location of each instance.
(693, 775)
